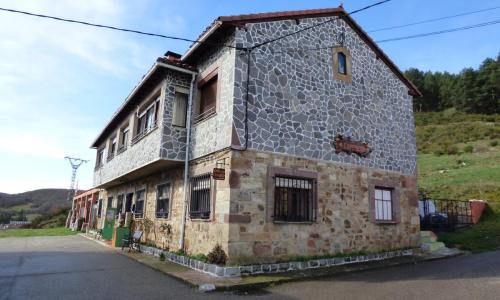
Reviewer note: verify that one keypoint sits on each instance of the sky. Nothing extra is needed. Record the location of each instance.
(60, 83)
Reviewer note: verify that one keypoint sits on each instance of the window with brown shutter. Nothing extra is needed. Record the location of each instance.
(208, 99)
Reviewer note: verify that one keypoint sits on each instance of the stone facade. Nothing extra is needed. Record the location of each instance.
(297, 107)
(343, 223)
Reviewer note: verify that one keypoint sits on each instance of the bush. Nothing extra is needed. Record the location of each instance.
(451, 150)
(162, 256)
(468, 149)
(494, 143)
(217, 256)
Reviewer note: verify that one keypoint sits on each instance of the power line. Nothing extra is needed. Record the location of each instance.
(113, 27)
(434, 20)
(285, 50)
(316, 25)
(439, 32)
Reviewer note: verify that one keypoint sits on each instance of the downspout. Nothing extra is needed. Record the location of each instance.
(186, 161)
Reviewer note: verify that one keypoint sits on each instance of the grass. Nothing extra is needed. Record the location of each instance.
(59, 231)
(459, 159)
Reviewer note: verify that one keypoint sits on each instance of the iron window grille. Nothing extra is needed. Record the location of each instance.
(200, 197)
(294, 199)
(163, 200)
(383, 204)
(139, 204)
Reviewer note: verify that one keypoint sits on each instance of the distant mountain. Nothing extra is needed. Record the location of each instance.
(37, 202)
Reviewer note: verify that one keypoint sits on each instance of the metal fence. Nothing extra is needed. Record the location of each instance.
(444, 214)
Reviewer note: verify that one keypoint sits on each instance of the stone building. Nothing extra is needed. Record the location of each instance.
(314, 132)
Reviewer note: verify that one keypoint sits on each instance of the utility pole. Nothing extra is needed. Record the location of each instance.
(75, 164)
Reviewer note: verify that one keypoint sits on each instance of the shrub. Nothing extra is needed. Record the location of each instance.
(438, 152)
(494, 143)
(468, 149)
(217, 256)
(162, 256)
(451, 150)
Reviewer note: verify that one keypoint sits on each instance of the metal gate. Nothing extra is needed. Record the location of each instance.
(444, 214)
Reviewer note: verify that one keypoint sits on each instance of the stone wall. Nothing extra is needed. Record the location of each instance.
(296, 106)
(200, 235)
(214, 133)
(343, 222)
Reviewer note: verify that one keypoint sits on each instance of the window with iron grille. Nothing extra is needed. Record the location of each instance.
(99, 208)
(383, 204)
(200, 197)
(162, 200)
(139, 204)
(294, 199)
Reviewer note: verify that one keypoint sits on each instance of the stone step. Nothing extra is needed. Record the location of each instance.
(427, 236)
(431, 247)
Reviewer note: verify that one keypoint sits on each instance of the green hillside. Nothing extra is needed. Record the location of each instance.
(459, 159)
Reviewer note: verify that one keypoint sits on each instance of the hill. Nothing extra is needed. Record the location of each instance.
(32, 204)
(459, 159)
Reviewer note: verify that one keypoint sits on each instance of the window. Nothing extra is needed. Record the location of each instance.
(342, 67)
(119, 205)
(200, 197)
(342, 64)
(162, 200)
(208, 98)
(180, 109)
(139, 204)
(99, 208)
(383, 204)
(110, 202)
(294, 199)
(123, 139)
(99, 158)
(146, 121)
(112, 148)
(128, 202)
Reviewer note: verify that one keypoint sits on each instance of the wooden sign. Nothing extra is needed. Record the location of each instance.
(348, 146)
(219, 174)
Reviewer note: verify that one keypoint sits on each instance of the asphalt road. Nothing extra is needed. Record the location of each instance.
(76, 268)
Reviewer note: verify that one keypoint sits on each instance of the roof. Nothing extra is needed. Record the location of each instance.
(224, 22)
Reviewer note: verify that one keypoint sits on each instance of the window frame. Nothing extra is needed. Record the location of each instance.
(99, 162)
(99, 208)
(274, 172)
(185, 92)
(166, 213)
(341, 63)
(211, 74)
(142, 127)
(394, 187)
(119, 208)
(197, 215)
(136, 214)
(123, 139)
(347, 76)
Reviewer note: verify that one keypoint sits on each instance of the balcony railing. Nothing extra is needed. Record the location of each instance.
(204, 115)
(110, 156)
(142, 134)
(121, 149)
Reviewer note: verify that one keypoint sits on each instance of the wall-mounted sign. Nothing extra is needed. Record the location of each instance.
(343, 144)
(219, 174)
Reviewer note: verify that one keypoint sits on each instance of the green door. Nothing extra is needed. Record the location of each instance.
(109, 223)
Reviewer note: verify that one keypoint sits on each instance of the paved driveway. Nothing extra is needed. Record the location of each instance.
(76, 268)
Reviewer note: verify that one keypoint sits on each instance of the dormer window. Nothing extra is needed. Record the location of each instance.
(342, 67)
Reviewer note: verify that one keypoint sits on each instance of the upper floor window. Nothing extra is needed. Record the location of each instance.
(162, 200)
(179, 112)
(112, 148)
(147, 120)
(139, 203)
(207, 97)
(123, 139)
(200, 197)
(342, 67)
(342, 64)
(99, 158)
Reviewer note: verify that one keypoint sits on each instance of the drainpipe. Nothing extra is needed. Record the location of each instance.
(186, 161)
